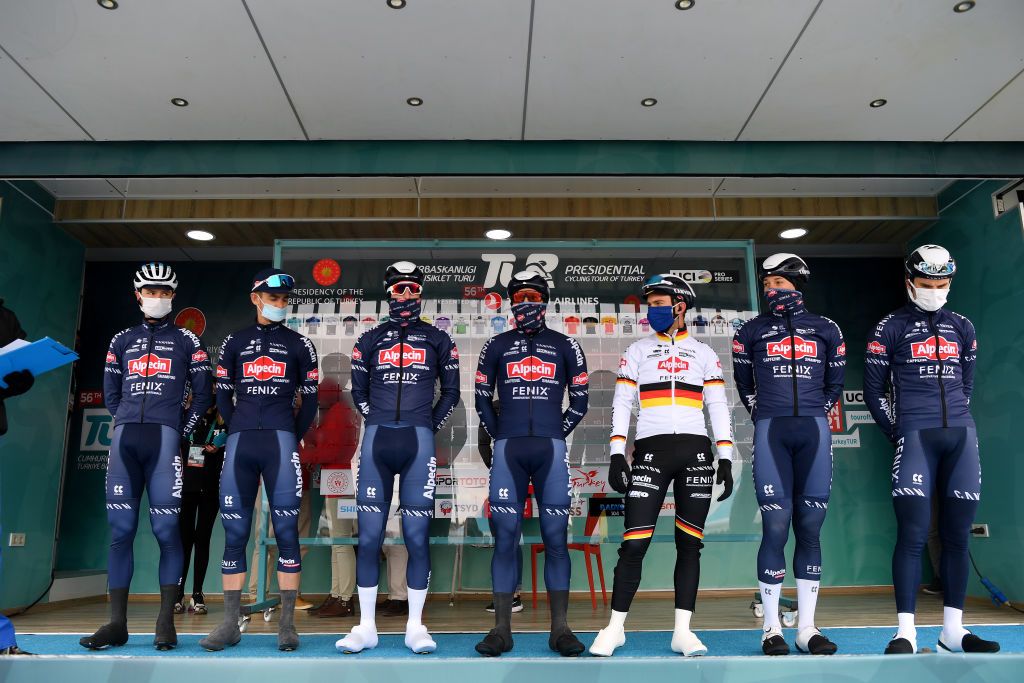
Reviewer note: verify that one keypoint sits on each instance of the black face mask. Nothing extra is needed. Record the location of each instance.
(783, 301)
(529, 315)
(404, 311)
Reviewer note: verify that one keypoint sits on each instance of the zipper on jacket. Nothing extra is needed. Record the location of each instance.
(792, 362)
(401, 373)
(145, 384)
(672, 381)
(938, 357)
(533, 369)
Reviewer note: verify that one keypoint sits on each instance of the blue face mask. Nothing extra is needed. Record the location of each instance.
(404, 311)
(783, 301)
(273, 313)
(529, 315)
(661, 317)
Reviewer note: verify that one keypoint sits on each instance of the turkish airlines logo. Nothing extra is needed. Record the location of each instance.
(530, 368)
(805, 348)
(876, 348)
(149, 365)
(263, 368)
(673, 365)
(581, 379)
(401, 356)
(926, 349)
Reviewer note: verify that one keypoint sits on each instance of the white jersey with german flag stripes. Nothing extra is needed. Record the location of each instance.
(672, 378)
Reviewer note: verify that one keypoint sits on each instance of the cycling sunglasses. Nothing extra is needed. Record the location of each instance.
(530, 295)
(940, 269)
(276, 281)
(405, 288)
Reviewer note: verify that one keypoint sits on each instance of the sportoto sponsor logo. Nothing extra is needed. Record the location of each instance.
(926, 349)
(263, 368)
(673, 365)
(222, 371)
(481, 378)
(199, 356)
(737, 347)
(149, 365)
(313, 375)
(401, 356)
(805, 348)
(530, 368)
(581, 379)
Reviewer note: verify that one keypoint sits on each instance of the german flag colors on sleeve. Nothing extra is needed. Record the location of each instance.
(638, 534)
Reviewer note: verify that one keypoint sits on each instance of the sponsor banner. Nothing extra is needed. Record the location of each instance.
(97, 430)
(446, 481)
(851, 440)
(337, 482)
(835, 418)
(589, 480)
(346, 508)
(858, 417)
(854, 397)
(90, 398)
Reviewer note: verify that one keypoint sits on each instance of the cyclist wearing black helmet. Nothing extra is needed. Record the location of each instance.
(671, 376)
(150, 371)
(395, 367)
(534, 367)
(789, 365)
(918, 380)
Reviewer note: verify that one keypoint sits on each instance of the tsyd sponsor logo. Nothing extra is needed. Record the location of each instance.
(149, 365)
(263, 368)
(530, 368)
(805, 348)
(926, 349)
(401, 356)
(673, 365)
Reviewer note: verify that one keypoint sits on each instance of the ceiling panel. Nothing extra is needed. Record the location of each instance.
(351, 66)
(831, 187)
(26, 113)
(270, 187)
(79, 188)
(593, 61)
(1000, 119)
(606, 186)
(934, 66)
(116, 71)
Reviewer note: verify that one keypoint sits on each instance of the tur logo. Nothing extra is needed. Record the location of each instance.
(500, 267)
(97, 425)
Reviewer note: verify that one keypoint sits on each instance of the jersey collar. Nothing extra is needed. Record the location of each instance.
(681, 334)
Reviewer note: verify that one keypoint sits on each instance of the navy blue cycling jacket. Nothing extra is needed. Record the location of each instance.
(150, 371)
(394, 370)
(907, 385)
(789, 364)
(260, 372)
(532, 373)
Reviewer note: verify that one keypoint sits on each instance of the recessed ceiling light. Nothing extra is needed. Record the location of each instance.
(880, 102)
(648, 101)
(962, 7)
(793, 233)
(685, 4)
(199, 235)
(498, 234)
(112, 4)
(179, 102)
(396, 4)
(414, 101)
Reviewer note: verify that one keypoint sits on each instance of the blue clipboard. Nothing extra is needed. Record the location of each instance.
(38, 357)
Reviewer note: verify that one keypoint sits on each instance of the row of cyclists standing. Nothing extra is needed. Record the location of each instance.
(788, 367)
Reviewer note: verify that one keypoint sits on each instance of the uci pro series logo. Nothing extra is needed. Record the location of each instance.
(149, 365)
(530, 368)
(263, 368)
(805, 348)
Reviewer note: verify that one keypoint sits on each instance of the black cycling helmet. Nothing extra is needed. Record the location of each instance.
(402, 271)
(673, 285)
(529, 279)
(789, 266)
(156, 275)
(930, 261)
